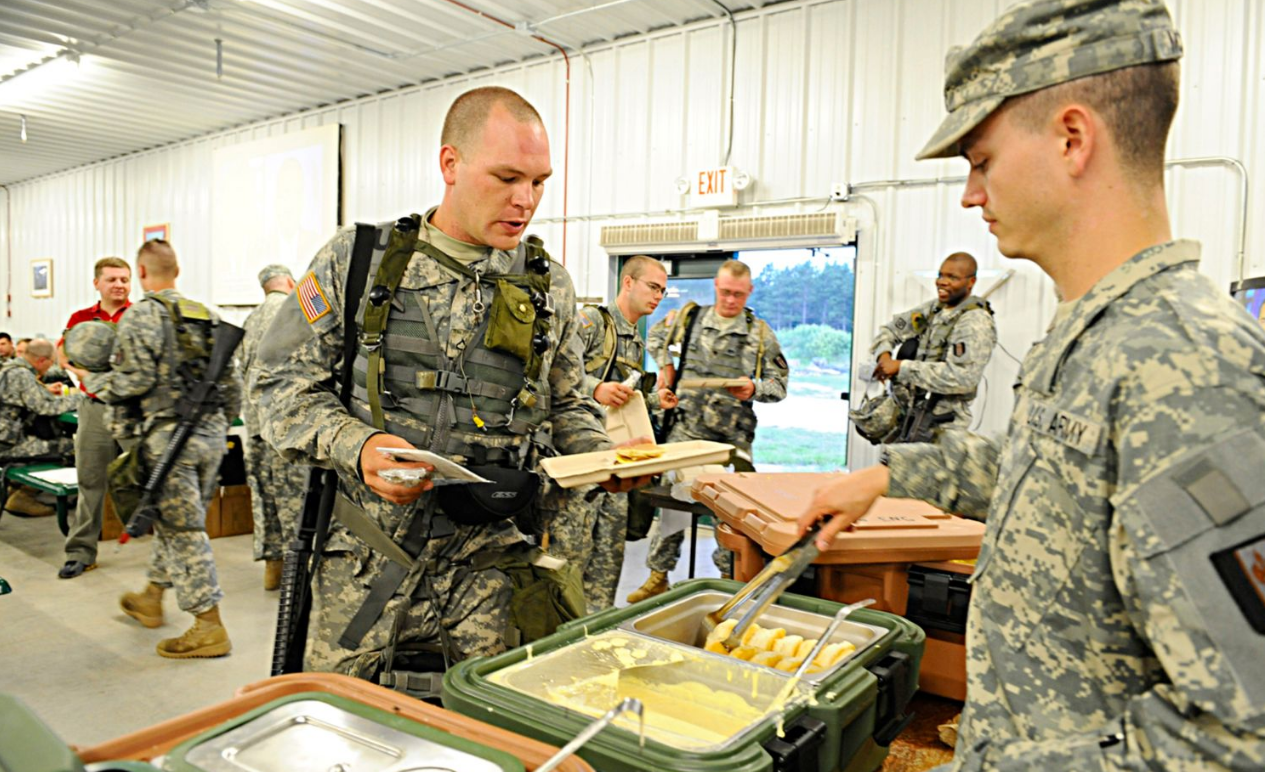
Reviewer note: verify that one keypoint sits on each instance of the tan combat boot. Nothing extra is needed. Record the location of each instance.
(272, 574)
(22, 501)
(207, 638)
(657, 584)
(145, 606)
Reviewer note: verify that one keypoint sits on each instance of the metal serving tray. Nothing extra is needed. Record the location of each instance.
(682, 622)
(592, 674)
(310, 734)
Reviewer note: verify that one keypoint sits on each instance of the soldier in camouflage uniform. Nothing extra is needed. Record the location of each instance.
(437, 585)
(277, 486)
(145, 375)
(723, 341)
(955, 337)
(1116, 619)
(28, 411)
(590, 527)
(26, 401)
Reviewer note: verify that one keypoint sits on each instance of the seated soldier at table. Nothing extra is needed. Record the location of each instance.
(28, 415)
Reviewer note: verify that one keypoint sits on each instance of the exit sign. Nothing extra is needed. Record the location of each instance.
(713, 188)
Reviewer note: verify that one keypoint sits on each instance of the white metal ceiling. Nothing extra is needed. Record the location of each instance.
(147, 68)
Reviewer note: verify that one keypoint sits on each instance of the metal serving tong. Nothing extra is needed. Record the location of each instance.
(766, 587)
(629, 704)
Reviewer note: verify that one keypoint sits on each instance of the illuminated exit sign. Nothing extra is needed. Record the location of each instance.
(713, 188)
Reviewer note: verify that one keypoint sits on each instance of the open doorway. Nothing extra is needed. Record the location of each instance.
(806, 296)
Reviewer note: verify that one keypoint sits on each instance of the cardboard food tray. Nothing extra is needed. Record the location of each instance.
(765, 507)
(710, 383)
(597, 467)
(629, 421)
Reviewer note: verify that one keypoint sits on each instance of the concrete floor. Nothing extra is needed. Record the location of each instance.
(91, 673)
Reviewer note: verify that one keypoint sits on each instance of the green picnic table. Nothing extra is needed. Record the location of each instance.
(25, 475)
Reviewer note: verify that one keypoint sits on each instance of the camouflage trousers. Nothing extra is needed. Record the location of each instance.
(181, 555)
(464, 610)
(34, 447)
(589, 530)
(277, 488)
(665, 553)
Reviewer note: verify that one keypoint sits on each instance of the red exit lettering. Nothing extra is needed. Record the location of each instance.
(710, 183)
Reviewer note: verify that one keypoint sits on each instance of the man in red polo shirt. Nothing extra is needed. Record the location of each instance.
(95, 446)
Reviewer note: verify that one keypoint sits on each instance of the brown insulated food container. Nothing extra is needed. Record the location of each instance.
(871, 560)
(161, 738)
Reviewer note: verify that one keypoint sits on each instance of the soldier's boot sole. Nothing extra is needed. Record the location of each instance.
(142, 608)
(199, 642)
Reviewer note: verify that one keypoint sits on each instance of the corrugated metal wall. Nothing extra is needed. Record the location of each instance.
(844, 90)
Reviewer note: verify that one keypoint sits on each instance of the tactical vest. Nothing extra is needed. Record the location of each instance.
(487, 404)
(724, 363)
(613, 364)
(189, 330)
(934, 347)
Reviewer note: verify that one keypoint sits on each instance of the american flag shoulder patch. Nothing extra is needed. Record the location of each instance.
(312, 298)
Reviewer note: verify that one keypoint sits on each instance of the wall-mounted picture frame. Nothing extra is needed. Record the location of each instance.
(152, 232)
(42, 278)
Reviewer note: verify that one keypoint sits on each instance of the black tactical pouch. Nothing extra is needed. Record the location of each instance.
(640, 517)
(510, 321)
(510, 494)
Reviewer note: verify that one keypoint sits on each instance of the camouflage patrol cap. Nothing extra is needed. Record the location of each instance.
(271, 272)
(88, 345)
(1043, 43)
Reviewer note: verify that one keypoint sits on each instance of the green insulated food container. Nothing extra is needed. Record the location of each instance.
(705, 712)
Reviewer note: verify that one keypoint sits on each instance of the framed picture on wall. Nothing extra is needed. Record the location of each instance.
(152, 232)
(42, 278)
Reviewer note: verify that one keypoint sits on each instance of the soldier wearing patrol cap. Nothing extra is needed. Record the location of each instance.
(467, 348)
(1117, 617)
(277, 486)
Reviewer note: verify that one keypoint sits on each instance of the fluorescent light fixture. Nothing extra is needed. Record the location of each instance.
(33, 81)
(22, 131)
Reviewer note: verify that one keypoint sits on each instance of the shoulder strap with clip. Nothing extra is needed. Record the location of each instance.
(401, 244)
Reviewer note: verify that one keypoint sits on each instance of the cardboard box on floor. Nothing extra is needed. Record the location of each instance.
(228, 514)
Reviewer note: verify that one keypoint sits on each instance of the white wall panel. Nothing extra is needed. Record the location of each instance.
(825, 91)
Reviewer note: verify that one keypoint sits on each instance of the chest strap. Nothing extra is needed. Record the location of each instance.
(400, 560)
(400, 247)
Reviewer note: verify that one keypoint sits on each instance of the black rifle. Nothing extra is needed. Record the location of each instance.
(295, 606)
(189, 410)
(920, 419)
